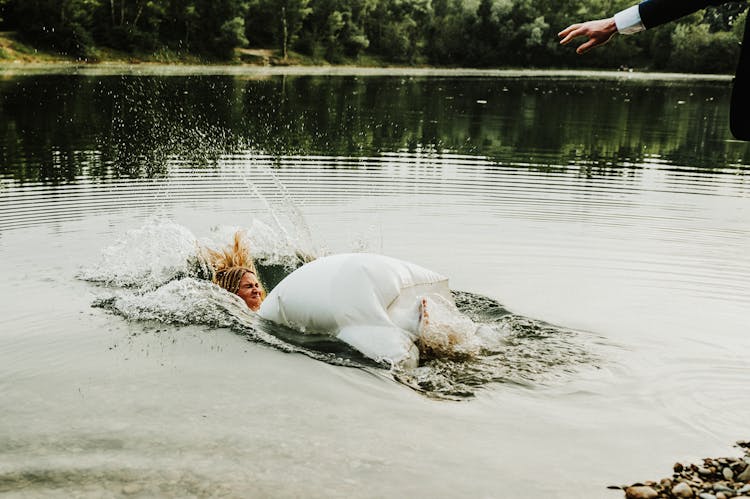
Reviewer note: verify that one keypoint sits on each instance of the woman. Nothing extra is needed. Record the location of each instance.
(234, 270)
(243, 282)
(374, 303)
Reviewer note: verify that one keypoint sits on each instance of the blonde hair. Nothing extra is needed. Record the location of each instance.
(230, 264)
(230, 278)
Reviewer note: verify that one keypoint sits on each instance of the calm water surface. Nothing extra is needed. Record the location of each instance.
(609, 214)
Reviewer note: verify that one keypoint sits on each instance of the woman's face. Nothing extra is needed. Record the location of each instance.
(250, 291)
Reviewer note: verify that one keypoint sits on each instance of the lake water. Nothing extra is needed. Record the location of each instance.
(608, 214)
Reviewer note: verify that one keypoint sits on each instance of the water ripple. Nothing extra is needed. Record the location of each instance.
(469, 181)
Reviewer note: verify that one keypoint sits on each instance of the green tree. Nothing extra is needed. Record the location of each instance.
(63, 25)
(130, 25)
(3, 6)
(496, 33)
(449, 35)
(695, 48)
(261, 24)
(177, 22)
(291, 14)
(277, 22)
(336, 29)
(738, 25)
(397, 28)
(218, 27)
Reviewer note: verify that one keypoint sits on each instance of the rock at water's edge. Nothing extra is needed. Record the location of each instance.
(640, 492)
(682, 491)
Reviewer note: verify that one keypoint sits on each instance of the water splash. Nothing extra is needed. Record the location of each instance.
(146, 257)
(446, 332)
(191, 301)
(283, 209)
(161, 251)
(267, 245)
(153, 275)
(150, 130)
(183, 301)
(510, 349)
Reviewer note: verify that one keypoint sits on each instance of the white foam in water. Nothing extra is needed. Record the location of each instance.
(145, 257)
(158, 260)
(162, 250)
(185, 301)
(196, 301)
(268, 246)
(448, 332)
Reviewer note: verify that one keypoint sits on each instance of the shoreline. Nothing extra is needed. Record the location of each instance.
(13, 68)
(19, 58)
(714, 478)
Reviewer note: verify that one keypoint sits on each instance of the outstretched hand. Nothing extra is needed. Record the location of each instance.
(599, 33)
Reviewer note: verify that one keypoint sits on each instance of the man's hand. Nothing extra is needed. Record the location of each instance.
(599, 33)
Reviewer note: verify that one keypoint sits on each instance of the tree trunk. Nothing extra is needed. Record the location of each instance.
(140, 11)
(284, 33)
(122, 12)
(112, 10)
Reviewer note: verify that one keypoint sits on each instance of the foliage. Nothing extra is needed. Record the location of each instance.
(695, 46)
(482, 33)
(62, 25)
(738, 26)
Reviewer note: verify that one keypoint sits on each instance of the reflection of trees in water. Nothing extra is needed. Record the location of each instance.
(55, 128)
(155, 119)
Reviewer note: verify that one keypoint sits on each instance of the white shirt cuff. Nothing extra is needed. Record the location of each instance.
(628, 21)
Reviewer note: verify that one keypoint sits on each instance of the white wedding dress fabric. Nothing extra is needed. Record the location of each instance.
(372, 302)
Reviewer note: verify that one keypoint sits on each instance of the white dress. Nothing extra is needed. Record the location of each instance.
(369, 301)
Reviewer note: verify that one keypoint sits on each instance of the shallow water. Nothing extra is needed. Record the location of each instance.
(609, 215)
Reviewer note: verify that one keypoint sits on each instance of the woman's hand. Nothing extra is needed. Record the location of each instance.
(599, 33)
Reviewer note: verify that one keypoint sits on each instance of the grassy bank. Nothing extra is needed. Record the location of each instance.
(15, 50)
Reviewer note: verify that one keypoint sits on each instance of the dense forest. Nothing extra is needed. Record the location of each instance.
(468, 33)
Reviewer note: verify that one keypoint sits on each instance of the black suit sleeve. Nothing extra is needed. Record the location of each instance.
(656, 12)
(739, 117)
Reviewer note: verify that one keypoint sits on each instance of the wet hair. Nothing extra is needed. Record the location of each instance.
(230, 278)
(230, 264)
